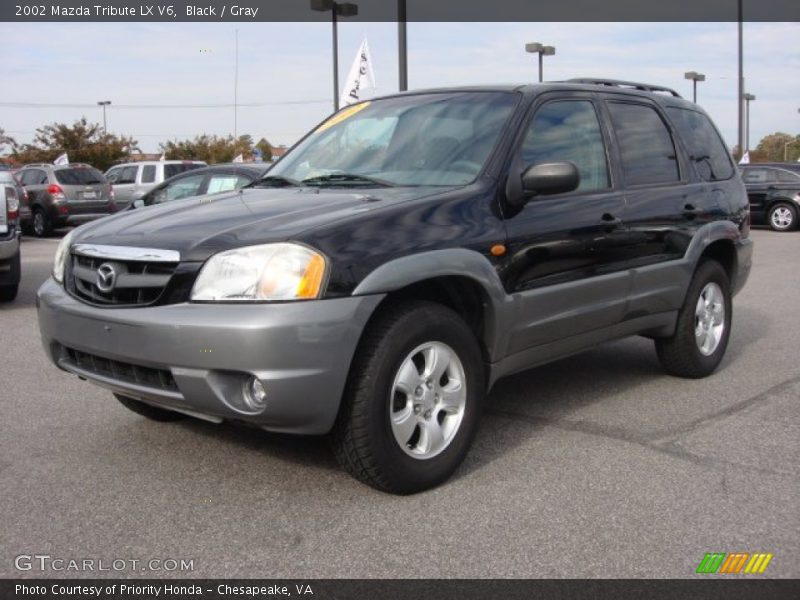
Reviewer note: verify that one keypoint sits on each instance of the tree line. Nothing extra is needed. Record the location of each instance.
(87, 143)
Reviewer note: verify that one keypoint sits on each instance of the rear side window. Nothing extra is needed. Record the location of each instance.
(34, 177)
(173, 169)
(148, 174)
(756, 175)
(706, 149)
(648, 153)
(568, 130)
(79, 176)
(225, 183)
(787, 177)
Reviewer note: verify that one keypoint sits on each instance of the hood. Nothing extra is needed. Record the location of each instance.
(201, 226)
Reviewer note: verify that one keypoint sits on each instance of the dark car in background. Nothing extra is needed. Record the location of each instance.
(774, 193)
(60, 195)
(203, 181)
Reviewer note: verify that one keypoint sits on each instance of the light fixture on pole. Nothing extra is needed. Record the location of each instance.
(104, 103)
(338, 9)
(695, 77)
(541, 50)
(747, 99)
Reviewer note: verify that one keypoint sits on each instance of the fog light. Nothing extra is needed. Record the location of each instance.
(255, 394)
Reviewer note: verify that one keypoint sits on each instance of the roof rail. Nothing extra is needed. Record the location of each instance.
(645, 87)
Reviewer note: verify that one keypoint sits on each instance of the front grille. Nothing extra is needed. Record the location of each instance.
(121, 371)
(136, 283)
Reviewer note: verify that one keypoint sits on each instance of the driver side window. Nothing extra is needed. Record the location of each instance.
(568, 130)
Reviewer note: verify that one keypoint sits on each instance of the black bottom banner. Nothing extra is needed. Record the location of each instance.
(391, 589)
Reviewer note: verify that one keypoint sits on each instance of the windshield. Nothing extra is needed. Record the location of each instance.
(428, 139)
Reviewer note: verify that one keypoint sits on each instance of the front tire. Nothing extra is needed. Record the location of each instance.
(412, 402)
(782, 217)
(151, 412)
(703, 328)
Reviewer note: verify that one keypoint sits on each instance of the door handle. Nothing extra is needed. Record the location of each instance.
(691, 212)
(609, 221)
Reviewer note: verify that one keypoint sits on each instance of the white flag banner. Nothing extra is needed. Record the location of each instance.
(62, 160)
(745, 160)
(238, 159)
(359, 77)
(163, 156)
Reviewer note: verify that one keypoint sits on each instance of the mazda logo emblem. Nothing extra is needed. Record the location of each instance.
(106, 277)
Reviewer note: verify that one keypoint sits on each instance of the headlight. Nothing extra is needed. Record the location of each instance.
(281, 271)
(62, 253)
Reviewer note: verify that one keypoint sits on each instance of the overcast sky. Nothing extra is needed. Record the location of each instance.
(288, 67)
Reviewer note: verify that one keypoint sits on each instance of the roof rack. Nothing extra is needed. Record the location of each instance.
(645, 87)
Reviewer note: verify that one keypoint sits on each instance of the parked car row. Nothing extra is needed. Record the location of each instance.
(52, 196)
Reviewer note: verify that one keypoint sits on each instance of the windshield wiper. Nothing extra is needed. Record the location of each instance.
(273, 181)
(346, 179)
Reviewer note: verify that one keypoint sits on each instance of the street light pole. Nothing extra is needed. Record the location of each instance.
(541, 50)
(747, 99)
(338, 9)
(740, 93)
(236, 89)
(402, 45)
(695, 77)
(104, 103)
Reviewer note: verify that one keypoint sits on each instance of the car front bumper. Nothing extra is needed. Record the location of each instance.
(197, 358)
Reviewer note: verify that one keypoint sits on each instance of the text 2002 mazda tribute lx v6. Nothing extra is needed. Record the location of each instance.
(406, 254)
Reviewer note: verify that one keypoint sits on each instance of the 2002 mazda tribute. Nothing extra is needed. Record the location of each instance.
(406, 254)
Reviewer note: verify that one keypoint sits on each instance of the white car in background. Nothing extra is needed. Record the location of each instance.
(133, 180)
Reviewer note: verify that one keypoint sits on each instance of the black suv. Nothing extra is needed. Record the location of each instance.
(774, 193)
(60, 195)
(406, 254)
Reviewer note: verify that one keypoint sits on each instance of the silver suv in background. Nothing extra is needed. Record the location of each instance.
(60, 195)
(133, 180)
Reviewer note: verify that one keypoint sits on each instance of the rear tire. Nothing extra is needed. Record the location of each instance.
(42, 227)
(703, 328)
(151, 412)
(782, 217)
(412, 402)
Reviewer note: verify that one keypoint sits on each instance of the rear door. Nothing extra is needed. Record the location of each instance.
(146, 181)
(563, 263)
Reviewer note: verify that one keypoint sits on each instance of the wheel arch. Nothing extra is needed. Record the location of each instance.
(460, 279)
(716, 241)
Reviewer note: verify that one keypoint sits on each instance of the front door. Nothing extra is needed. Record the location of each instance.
(564, 265)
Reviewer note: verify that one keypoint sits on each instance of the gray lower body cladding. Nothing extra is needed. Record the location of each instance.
(197, 358)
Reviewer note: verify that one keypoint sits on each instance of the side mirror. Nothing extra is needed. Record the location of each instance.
(550, 178)
(138, 203)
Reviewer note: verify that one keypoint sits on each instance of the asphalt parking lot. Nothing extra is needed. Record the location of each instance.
(596, 466)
